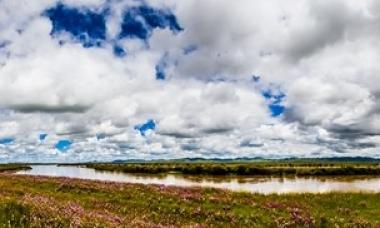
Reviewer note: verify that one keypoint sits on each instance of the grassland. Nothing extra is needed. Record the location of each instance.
(258, 168)
(61, 202)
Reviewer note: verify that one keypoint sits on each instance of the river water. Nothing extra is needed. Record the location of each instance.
(264, 185)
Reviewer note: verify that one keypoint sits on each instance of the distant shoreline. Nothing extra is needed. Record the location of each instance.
(242, 166)
(252, 169)
(13, 168)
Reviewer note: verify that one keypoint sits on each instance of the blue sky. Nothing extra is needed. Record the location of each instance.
(94, 79)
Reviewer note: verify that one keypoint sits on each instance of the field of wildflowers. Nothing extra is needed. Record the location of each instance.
(36, 201)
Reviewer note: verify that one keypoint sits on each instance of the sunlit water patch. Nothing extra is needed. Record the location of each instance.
(265, 185)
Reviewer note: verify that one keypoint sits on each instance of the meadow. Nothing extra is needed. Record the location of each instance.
(62, 202)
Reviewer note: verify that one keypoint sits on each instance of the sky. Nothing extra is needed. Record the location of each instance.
(103, 80)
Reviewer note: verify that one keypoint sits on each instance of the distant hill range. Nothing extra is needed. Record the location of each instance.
(231, 160)
(254, 159)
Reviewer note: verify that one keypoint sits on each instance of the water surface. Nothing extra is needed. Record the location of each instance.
(265, 185)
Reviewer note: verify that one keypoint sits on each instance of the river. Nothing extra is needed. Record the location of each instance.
(264, 185)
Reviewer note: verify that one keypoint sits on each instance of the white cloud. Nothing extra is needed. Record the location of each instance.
(322, 55)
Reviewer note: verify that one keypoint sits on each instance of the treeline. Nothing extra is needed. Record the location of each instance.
(241, 169)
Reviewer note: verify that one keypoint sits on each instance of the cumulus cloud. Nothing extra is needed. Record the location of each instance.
(217, 78)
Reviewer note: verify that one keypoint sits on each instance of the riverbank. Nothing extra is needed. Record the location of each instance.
(46, 201)
(263, 169)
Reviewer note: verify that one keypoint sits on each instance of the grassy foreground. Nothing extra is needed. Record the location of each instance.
(27, 201)
(259, 168)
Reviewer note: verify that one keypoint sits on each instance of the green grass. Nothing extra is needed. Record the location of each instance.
(62, 202)
(260, 168)
(14, 214)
